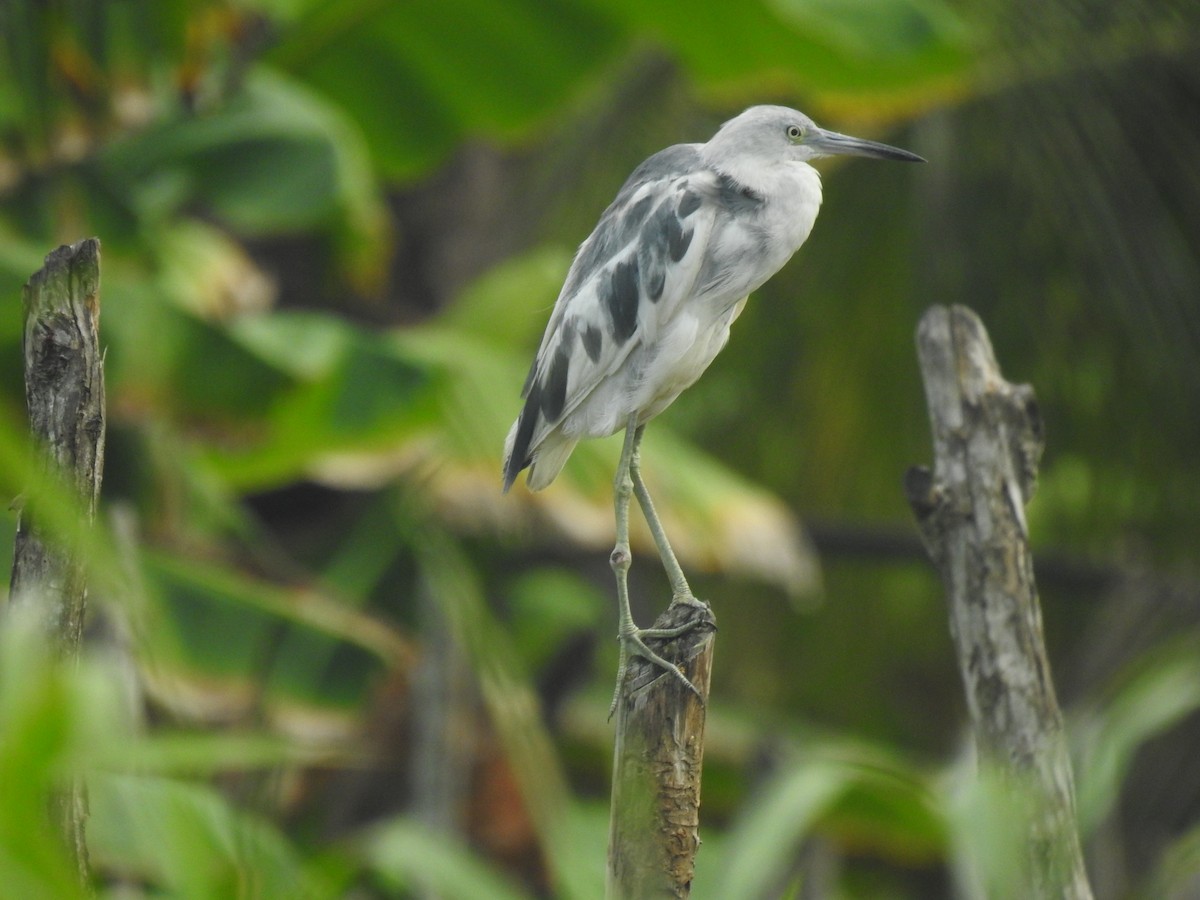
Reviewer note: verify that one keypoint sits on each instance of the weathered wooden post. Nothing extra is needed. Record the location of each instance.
(64, 392)
(657, 764)
(987, 438)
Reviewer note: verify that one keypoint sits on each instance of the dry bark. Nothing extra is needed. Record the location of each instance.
(987, 437)
(657, 763)
(64, 391)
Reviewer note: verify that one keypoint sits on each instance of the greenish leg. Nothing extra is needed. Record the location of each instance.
(681, 592)
(630, 638)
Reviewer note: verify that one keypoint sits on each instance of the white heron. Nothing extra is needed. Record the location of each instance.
(649, 300)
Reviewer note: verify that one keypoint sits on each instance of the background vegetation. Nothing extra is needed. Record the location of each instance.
(330, 659)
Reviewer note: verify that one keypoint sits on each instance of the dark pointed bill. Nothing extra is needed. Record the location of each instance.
(831, 143)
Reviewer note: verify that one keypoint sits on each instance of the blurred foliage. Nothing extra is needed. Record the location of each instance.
(331, 236)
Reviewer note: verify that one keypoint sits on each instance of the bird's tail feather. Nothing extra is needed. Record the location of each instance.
(549, 459)
(545, 457)
(513, 462)
(520, 437)
(544, 463)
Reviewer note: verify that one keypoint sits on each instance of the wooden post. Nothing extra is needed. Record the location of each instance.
(64, 392)
(987, 438)
(657, 762)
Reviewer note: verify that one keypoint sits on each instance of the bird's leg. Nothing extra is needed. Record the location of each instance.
(681, 592)
(630, 638)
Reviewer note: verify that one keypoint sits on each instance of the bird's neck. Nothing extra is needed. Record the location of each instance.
(791, 195)
(788, 182)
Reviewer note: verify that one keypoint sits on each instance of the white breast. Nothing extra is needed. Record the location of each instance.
(794, 198)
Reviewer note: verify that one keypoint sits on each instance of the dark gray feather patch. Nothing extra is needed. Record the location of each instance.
(593, 342)
(735, 196)
(678, 240)
(688, 204)
(622, 220)
(621, 299)
(519, 458)
(554, 389)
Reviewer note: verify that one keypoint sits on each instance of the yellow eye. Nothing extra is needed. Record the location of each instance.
(794, 133)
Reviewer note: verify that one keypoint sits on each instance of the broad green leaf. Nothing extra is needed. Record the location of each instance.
(264, 160)
(762, 846)
(227, 624)
(511, 303)
(308, 345)
(887, 39)
(1163, 688)
(215, 378)
(548, 607)
(825, 46)
(164, 359)
(408, 857)
(194, 753)
(187, 839)
(988, 815)
(446, 69)
(276, 158)
(857, 795)
(57, 718)
(360, 393)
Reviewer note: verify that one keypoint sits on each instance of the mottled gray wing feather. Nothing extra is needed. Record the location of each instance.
(627, 277)
(620, 224)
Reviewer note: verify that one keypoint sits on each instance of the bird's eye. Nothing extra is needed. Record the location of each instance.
(795, 132)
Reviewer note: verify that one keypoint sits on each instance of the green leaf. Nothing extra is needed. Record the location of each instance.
(225, 621)
(409, 857)
(863, 796)
(361, 392)
(762, 846)
(509, 699)
(823, 46)
(1162, 688)
(509, 305)
(548, 607)
(275, 158)
(216, 378)
(191, 753)
(186, 839)
(881, 35)
(988, 814)
(443, 69)
(183, 365)
(37, 738)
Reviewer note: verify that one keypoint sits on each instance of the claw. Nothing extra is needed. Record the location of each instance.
(633, 644)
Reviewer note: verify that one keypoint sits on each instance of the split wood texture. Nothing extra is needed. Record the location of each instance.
(64, 391)
(987, 438)
(657, 763)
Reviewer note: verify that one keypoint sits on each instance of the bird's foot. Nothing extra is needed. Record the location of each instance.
(633, 643)
(690, 599)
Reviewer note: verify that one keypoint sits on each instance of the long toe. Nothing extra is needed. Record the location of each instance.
(674, 630)
(636, 646)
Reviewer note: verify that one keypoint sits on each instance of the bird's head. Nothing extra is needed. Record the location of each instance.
(776, 132)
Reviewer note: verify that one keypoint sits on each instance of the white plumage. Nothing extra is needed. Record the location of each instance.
(650, 297)
(648, 303)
